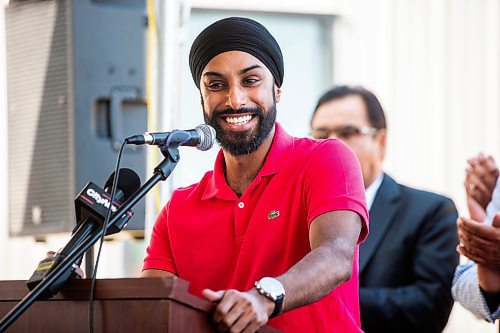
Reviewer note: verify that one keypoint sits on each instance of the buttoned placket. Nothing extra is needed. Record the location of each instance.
(242, 213)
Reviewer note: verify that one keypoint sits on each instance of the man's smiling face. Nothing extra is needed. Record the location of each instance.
(239, 99)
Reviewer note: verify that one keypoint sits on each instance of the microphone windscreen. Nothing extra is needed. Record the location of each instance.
(207, 135)
(128, 182)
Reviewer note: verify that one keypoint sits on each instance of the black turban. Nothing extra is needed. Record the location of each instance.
(236, 34)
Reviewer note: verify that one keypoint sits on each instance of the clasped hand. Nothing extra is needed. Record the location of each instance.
(238, 311)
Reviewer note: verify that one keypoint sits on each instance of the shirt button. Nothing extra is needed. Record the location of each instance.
(241, 204)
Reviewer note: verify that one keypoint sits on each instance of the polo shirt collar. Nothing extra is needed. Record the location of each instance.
(279, 152)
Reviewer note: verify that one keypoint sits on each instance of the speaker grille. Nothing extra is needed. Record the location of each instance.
(39, 119)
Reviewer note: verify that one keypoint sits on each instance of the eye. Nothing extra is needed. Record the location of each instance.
(320, 133)
(347, 132)
(215, 85)
(250, 81)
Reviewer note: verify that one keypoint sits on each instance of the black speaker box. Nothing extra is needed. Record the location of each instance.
(76, 88)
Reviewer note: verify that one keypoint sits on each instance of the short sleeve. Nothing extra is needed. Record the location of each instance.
(159, 253)
(334, 182)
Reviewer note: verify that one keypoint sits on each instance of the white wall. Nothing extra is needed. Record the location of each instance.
(435, 66)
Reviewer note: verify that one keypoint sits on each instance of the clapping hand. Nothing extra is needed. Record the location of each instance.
(480, 180)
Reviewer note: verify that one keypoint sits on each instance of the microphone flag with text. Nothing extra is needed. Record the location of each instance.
(202, 137)
(91, 205)
(93, 202)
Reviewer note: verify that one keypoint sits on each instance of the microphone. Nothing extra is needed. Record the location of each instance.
(93, 202)
(202, 137)
(91, 206)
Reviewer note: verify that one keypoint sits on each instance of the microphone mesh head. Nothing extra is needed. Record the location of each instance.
(207, 136)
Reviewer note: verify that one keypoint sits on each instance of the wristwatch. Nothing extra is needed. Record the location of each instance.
(273, 290)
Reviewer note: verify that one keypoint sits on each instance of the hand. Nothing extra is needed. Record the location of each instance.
(480, 242)
(480, 181)
(78, 270)
(239, 311)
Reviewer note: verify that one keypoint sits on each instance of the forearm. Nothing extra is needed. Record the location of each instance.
(156, 273)
(489, 279)
(333, 237)
(492, 300)
(317, 274)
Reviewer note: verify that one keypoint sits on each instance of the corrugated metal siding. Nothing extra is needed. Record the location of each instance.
(39, 128)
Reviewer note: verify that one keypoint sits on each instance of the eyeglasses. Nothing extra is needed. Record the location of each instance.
(342, 133)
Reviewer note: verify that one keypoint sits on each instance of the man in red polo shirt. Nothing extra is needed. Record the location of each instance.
(273, 230)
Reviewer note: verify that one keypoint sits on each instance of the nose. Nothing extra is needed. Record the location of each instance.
(236, 97)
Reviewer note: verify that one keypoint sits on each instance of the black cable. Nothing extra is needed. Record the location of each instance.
(103, 235)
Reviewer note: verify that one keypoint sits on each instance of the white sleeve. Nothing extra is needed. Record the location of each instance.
(465, 290)
(494, 205)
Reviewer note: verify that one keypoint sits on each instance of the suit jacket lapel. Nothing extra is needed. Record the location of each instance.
(382, 214)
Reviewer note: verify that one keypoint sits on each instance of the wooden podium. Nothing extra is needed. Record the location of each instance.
(120, 305)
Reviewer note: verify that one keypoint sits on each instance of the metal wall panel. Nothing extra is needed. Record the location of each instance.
(76, 86)
(38, 113)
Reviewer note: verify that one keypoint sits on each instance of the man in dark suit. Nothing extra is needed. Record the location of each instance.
(408, 260)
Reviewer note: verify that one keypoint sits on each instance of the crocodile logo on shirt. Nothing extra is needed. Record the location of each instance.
(273, 214)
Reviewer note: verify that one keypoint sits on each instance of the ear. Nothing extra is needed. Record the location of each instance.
(202, 101)
(381, 138)
(277, 93)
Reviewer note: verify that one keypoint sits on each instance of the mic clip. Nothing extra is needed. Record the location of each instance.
(177, 138)
(170, 148)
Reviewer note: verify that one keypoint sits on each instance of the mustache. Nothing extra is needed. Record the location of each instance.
(230, 111)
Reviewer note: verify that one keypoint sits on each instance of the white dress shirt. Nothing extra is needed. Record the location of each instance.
(494, 205)
(372, 190)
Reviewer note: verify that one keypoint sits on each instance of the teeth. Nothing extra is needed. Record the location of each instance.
(238, 120)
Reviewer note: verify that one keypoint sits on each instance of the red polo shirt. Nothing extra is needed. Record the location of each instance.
(213, 239)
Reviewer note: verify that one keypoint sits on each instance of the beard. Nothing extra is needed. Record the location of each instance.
(242, 143)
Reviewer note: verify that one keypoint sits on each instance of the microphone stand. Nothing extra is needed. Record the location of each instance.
(161, 173)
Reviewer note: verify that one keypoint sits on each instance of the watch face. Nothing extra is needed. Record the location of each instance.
(272, 286)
